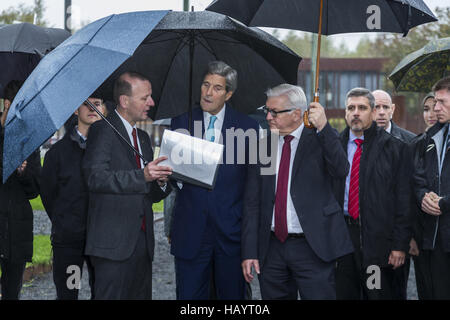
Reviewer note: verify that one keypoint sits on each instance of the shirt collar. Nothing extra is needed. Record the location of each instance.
(127, 125)
(389, 129)
(220, 116)
(352, 137)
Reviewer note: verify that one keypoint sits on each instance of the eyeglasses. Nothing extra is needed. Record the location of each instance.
(274, 113)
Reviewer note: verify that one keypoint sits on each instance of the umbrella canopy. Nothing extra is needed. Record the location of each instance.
(421, 69)
(339, 16)
(22, 46)
(66, 77)
(328, 17)
(176, 53)
(30, 38)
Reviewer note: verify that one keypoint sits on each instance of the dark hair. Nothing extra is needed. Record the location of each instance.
(361, 92)
(444, 83)
(123, 87)
(11, 89)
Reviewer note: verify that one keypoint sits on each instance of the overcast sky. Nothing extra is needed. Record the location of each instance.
(91, 10)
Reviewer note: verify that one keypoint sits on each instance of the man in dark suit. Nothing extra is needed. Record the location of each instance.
(122, 189)
(382, 114)
(376, 200)
(293, 227)
(206, 226)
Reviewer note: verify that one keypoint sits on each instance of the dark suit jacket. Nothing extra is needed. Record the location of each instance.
(384, 194)
(197, 208)
(319, 158)
(119, 196)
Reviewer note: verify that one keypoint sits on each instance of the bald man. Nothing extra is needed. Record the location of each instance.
(383, 113)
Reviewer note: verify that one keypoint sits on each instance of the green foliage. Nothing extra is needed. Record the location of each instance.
(24, 13)
(36, 204)
(42, 250)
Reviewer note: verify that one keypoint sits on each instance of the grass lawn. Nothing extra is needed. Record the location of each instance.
(42, 251)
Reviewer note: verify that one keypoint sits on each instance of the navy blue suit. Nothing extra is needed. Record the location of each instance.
(206, 227)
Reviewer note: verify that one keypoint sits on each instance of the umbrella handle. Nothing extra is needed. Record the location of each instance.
(306, 113)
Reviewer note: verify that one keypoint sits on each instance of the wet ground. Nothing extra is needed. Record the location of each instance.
(42, 287)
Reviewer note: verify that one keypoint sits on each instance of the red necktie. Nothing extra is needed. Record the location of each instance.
(353, 192)
(281, 230)
(138, 162)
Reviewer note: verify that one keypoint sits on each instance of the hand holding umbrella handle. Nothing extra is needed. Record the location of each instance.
(306, 113)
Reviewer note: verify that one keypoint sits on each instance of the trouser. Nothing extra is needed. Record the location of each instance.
(130, 279)
(292, 268)
(440, 272)
(400, 280)
(422, 269)
(12, 278)
(353, 282)
(67, 271)
(193, 276)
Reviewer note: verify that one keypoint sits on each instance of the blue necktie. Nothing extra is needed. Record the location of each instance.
(210, 134)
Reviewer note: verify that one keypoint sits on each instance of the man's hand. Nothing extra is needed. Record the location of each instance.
(21, 169)
(430, 204)
(396, 259)
(413, 248)
(247, 268)
(154, 172)
(316, 115)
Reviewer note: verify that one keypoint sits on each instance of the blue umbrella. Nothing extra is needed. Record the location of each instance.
(66, 77)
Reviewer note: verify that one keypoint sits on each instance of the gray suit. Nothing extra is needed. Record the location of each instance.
(119, 198)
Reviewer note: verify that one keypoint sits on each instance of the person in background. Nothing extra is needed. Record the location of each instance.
(422, 257)
(65, 198)
(375, 197)
(16, 214)
(432, 189)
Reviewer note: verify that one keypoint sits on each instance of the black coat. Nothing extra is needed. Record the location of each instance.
(384, 195)
(64, 191)
(16, 214)
(402, 134)
(427, 178)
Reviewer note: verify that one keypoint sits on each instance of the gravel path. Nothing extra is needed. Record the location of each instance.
(42, 287)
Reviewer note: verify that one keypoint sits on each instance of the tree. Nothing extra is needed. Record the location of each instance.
(24, 13)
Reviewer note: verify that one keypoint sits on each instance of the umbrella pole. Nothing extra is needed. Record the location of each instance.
(115, 130)
(316, 87)
(191, 67)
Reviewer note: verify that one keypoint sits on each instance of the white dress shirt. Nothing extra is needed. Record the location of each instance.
(293, 224)
(129, 129)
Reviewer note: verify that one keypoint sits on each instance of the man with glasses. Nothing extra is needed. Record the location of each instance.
(293, 228)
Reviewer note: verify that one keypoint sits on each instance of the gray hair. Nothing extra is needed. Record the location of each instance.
(361, 92)
(295, 94)
(222, 69)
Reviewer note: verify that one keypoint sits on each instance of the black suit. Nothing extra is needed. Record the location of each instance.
(319, 158)
(401, 274)
(384, 221)
(119, 198)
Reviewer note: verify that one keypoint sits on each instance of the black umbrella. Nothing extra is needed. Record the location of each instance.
(21, 47)
(328, 17)
(175, 55)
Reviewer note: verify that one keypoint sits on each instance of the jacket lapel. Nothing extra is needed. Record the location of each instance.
(302, 149)
(118, 124)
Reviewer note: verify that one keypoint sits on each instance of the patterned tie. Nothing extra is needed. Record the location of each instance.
(210, 134)
(353, 193)
(138, 162)
(281, 230)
